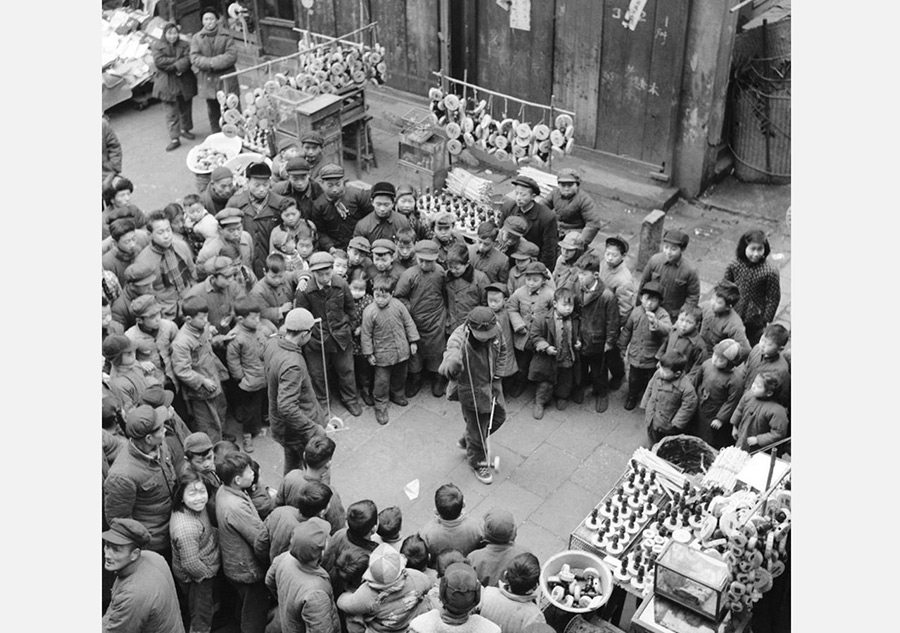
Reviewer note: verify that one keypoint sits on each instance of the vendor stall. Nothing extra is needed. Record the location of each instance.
(696, 536)
(126, 61)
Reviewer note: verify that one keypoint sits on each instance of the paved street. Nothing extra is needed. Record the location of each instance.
(552, 471)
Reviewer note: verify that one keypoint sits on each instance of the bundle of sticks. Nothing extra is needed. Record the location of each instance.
(469, 186)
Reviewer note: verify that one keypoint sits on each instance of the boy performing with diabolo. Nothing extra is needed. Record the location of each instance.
(474, 353)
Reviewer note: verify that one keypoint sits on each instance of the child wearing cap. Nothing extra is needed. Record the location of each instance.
(718, 388)
(422, 290)
(485, 256)
(495, 297)
(406, 247)
(198, 370)
(475, 352)
(444, 235)
(529, 303)
(512, 602)
(362, 298)
(720, 321)
(670, 400)
(391, 594)
(127, 379)
(465, 286)
(389, 337)
(490, 561)
(232, 241)
(311, 147)
(685, 337)
(451, 527)
(459, 593)
(287, 149)
(556, 362)
(677, 277)
(155, 334)
(510, 235)
(525, 253)
(565, 272)
(643, 334)
(383, 222)
(383, 262)
(199, 224)
(299, 186)
(245, 364)
(758, 281)
(138, 282)
(358, 255)
(769, 356)
(599, 317)
(219, 290)
(616, 276)
(285, 244)
(759, 420)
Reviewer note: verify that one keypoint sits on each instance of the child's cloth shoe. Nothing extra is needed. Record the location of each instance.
(354, 408)
(538, 411)
(630, 403)
(578, 395)
(483, 473)
(439, 387)
(366, 396)
(381, 416)
(400, 402)
(602, 404)
(561, 404)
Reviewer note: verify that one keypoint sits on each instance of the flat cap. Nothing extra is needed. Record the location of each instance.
(221, 173)
(143, 420)
(144, 306)
(230, 215)
(219, 265)
(197, 443)
(444, 218)
(427, 249)
(299, 319)
(515, 225)
(572, 240)
(525, 250)
(312, 137)
(384, 246)
(127, 532)
(320, 260)
(536, 268)
(568, 175)
(157, 397)
(496, 287)
(674, 236)
(140, 274)
(331, 172)
(482, 323)
(361, 244)
(652, 287)
(115, 345)
(525, 181)
(298, 165)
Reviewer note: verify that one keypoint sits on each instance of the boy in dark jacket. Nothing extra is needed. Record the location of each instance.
(388, 338)
(759, 419)
(556, 360)
(599, 330)
(490, 561)
(474, 353)
(642, 335)
(495, 296)
(359, 252)
(670, 400)
(718, 388)
(362, 522)
(245, 364)
(685, 338)
(678, 282)
(465, 286)
(451, 528)
(720, 321)
(485, 256)
(768, 356)
(328, 298)
(273, 293)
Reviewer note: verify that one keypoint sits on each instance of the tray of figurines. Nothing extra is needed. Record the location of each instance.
(612, 527)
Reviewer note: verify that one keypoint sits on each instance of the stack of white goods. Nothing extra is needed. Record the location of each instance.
(725, 469)
(546, 181)
(669, 477)
(469, 186)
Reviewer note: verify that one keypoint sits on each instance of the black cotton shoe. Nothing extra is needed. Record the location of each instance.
(602, 404)
(630, 403)
(366, 396)
(439, 387)
(400, 402)
(578, 395)
(561, 404)
(173, 144)
(354, 409)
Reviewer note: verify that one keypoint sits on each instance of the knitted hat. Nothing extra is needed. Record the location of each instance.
(221, 173)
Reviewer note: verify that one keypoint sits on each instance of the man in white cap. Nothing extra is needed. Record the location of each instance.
(143, 595)
(294, 412)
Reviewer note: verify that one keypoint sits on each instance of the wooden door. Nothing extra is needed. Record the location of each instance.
(408, 29)
(640, 80)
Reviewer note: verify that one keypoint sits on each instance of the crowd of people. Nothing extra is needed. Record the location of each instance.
(260, 302)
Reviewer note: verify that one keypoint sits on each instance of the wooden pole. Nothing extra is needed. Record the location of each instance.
(445, 43)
